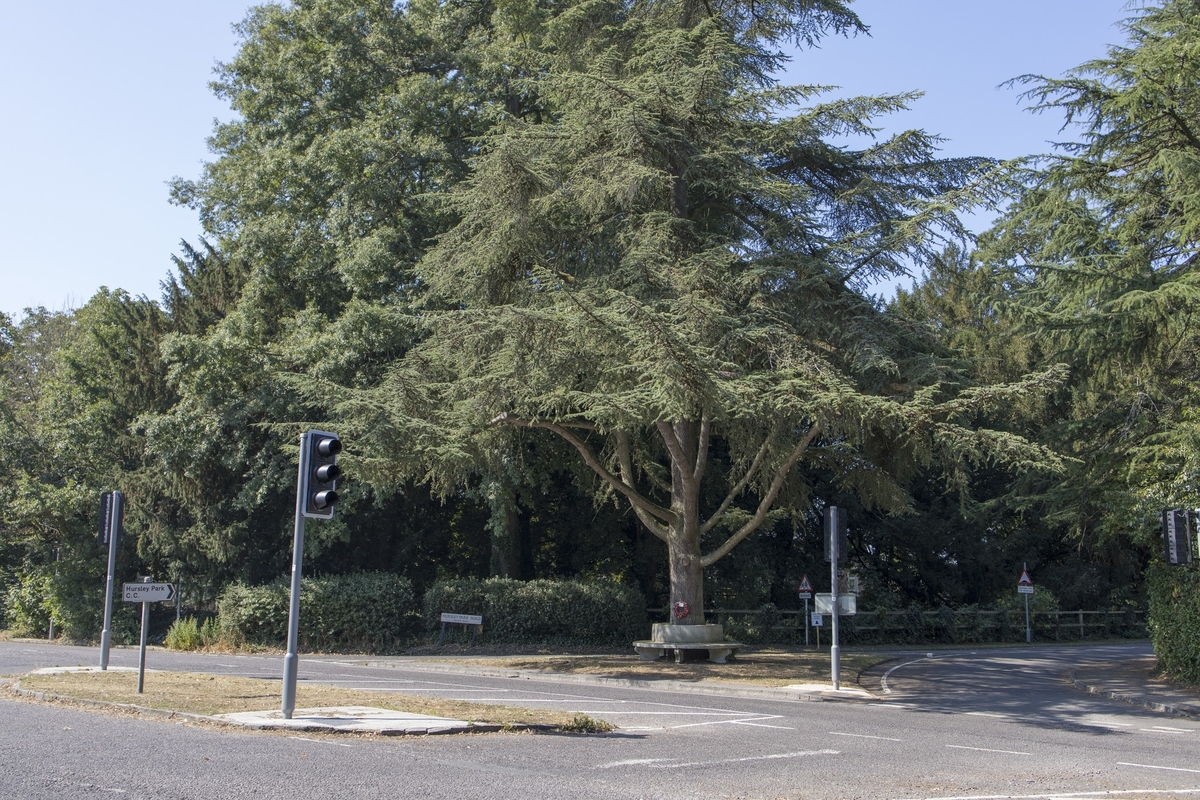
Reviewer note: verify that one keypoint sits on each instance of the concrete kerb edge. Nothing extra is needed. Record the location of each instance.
(1140, 702)
(652, 684)
(164, 713)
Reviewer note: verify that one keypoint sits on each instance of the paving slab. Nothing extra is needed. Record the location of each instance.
(362, 719)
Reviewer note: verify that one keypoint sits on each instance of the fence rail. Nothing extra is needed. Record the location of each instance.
(771, 625)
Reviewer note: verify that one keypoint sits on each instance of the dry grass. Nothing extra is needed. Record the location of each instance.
(222, 694)
(763, 667)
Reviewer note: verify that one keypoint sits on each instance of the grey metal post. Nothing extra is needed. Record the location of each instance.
(834, 651)
(291, 661)
(807, 619)
(114, 511)
(1028, 629)
(145, 625)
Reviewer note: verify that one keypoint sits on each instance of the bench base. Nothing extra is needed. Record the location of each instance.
(717, 652)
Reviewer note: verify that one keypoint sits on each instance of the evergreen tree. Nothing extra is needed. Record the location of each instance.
(666, 269)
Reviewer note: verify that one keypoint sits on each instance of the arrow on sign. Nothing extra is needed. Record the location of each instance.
(148, 592)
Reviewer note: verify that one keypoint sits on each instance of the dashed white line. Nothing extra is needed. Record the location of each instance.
(987, 750)
(633, 762)
(865, 736)
(800, 754)
(320, 741)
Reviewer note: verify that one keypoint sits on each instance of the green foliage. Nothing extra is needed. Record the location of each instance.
(542, 611)
(361, 612)
(184, 634)
(1174, 619)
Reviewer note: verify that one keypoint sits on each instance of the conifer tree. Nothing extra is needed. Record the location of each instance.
(668, 268)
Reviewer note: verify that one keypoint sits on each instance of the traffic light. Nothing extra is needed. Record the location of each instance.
(1177, 539)
(318, 473)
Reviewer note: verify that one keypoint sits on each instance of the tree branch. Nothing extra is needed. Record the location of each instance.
(625, 463)
(742, 484)
(702, 447)
(675, 448)
(765, 504)
(635, 498)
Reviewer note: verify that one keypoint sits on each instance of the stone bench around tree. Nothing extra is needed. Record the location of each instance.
(684, 639)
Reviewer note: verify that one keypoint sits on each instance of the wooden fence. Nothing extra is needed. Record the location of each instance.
(918, 626)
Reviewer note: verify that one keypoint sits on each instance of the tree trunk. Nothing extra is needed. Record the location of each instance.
(683, 543)
(687, 578)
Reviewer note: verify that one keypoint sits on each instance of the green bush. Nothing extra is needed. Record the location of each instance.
(1174, 620)
(184, 634)
(365, 611)
(543, 611)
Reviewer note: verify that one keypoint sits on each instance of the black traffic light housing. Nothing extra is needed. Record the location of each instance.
(318, 473)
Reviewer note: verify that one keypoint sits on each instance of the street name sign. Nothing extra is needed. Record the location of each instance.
(462, 619)
(148, 592)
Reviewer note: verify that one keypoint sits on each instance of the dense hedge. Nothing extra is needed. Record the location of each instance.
(543, 612)
(1175, 619)
(365, 611)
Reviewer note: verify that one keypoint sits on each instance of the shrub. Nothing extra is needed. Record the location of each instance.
(1174, 620)
(184, 634)
(365, 611)
(542, 611)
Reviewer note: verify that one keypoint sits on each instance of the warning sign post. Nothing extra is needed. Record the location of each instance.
(806, 592)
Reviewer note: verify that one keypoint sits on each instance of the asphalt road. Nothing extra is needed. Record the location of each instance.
(994, 723)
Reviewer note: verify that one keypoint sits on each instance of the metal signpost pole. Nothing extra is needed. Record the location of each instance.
(291, 660)
(1028, 629)
(834, 651)
(807, 620)
(114, 521)
(145, 625)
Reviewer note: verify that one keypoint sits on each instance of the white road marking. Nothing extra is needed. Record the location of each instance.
(865, 736)
(988, 750)
(884, 679)
(800, 754)
(1062, 795)
(1153, 766)
(724, 722)
(758, 725)
(985, 714)
(320, 741)
(1163, 730)
(1177, 730)
(633, 762)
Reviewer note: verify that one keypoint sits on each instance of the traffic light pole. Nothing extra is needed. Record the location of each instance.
(291, 660)
(835, 665)
(114, 520)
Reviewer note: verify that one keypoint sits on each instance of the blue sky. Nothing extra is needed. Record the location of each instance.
(104, 103)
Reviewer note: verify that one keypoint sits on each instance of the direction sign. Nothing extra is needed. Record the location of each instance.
(148, 592)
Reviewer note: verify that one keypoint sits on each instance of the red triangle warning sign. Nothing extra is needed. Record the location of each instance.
(805, 586)
(1025, 579)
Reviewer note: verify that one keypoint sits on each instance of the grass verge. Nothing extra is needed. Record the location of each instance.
(763, 667)
(198, 693)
